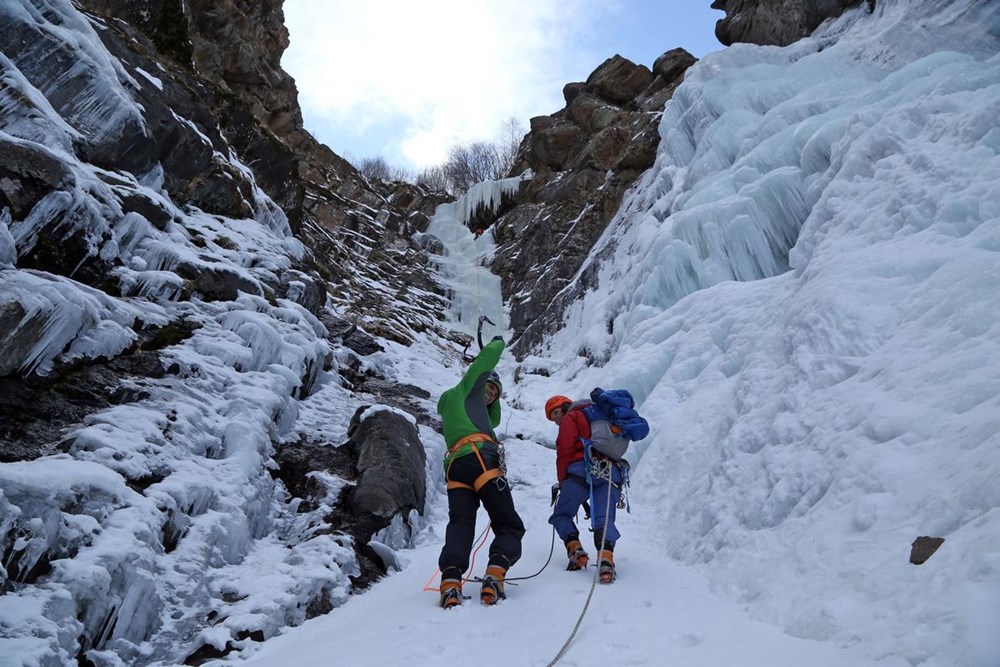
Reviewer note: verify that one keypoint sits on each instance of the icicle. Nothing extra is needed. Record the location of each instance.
(474, 290)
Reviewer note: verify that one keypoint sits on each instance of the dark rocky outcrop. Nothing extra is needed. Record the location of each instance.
(583, 159)
(235, 48)
(28, 173)
(36, 412)
(923, 548)
(777, 22)
(384, 459)
(390, 465)
(223, 73)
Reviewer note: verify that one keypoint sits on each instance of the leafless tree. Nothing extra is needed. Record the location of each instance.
(511, 134)
(466, 164)
(376, 168)
(373, 168)
(434, 178)
(472, 163)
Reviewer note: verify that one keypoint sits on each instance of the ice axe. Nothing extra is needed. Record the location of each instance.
(479, 329)
(468, 358)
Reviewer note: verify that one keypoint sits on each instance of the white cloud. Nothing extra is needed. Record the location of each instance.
(440, 72)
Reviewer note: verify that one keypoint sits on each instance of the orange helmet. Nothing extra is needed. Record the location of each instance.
(555, 402)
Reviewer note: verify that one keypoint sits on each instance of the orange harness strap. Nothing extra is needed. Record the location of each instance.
(475, 439)
(468, 440)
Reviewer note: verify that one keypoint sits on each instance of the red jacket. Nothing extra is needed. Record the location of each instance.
(568, 446)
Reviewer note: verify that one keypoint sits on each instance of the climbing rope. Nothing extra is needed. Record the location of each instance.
(548, 560)
(482, 540)
(552, 548)
(479, 308)
(465, 578)
(593, 585)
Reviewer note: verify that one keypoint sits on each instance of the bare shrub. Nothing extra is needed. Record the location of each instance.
(376, 168)
(434, 178)
(472, 163)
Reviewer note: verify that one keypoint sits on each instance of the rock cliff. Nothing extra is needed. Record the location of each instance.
(582, 159)
(776, 22)
(180, 262)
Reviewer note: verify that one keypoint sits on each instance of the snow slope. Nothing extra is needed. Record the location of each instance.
(657, 613)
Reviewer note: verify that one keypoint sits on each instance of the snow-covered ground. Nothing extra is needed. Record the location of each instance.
(658, 612)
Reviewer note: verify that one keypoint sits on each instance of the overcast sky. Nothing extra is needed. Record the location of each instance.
(407, 80)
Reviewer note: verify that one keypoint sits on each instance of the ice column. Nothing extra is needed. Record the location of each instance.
(474, 291)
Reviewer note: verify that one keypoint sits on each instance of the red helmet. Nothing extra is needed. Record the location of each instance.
(555, 402)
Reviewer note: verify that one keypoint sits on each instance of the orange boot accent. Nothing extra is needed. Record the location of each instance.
(451, 593)
(606, 567)
(493, 585)
(578, 558)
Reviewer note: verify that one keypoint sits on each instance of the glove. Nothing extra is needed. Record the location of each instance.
(586, 511)
(555, 493)
(499, 338)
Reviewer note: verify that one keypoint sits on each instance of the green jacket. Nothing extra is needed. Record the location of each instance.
(463, 408)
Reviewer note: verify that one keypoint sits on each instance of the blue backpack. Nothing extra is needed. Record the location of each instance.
(614, 423)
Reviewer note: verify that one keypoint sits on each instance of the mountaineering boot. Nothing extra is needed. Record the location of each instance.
(451, 593)
(606, 566)
(492, 589)
(578, 558)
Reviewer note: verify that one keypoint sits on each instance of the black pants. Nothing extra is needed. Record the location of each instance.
(463, 504)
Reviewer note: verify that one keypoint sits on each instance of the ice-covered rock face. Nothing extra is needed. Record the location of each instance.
(158, 331)
(118, 537)
(803, 294)
(236, 48)
(580, 160)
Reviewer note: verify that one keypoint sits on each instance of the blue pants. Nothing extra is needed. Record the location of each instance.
(574, 490)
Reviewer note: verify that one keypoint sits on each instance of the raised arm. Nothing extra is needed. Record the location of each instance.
(484, 362)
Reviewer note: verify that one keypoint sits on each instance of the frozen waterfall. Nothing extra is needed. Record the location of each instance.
(474, 291)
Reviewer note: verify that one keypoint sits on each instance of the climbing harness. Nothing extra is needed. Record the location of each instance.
(599, 467)
(476, 441)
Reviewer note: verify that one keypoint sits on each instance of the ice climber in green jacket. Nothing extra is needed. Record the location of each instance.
(469, 412)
